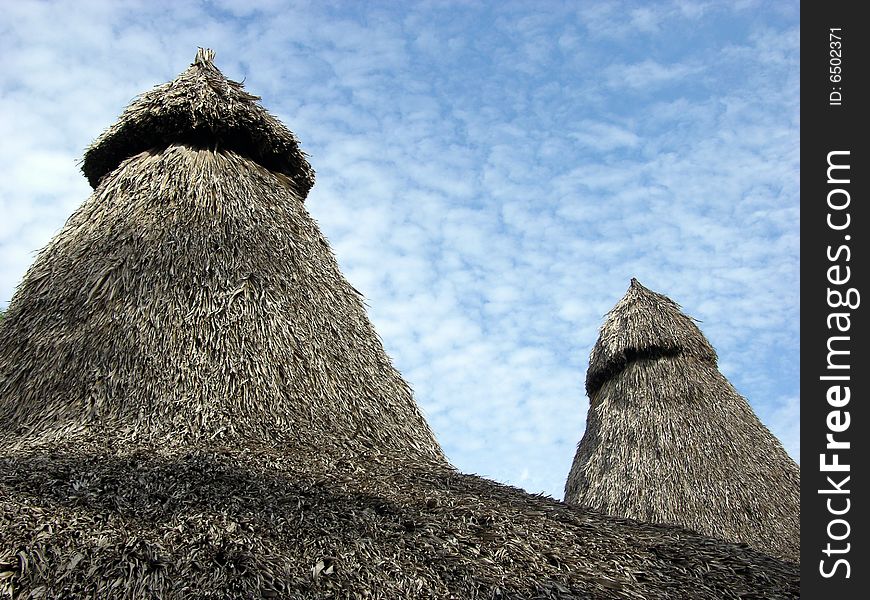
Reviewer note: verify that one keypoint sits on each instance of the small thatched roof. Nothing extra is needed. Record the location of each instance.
(193, 404)
(669, 440)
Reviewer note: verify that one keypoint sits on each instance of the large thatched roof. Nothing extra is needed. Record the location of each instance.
(669, 440)
(192, 296)
(193, 404)
(210, 521)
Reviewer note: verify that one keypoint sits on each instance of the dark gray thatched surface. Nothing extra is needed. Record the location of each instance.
(669, 440)
(193, 404)
(256, 521)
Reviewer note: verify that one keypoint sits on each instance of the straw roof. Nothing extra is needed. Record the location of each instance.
(669, 440)
(192, 296)
(97, 521)
(193, 404)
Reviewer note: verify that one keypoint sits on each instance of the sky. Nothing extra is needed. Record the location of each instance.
(490, 175)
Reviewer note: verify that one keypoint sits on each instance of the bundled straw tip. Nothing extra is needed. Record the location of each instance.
(204, 56)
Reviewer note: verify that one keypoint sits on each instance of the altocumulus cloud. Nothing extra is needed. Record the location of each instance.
(490, 175)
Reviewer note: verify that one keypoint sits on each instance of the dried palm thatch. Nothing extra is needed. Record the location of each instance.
(669, 440)
(98, 521)
(194, 405)
(192, 296)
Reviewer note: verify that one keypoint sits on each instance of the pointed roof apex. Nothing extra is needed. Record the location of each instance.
(204, 57)
(202, 108)
(643, 324)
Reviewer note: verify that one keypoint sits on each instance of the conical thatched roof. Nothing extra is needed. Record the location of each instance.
(193, 297)
(669, 440)
(194, 405)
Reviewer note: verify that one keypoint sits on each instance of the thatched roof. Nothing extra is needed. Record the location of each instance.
(669, 440)
(193, 404)
(94, 521)
(192, 296)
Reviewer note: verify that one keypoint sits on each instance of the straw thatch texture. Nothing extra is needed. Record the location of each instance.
(669, 440)
(256, 522)
(192, 296)
(194, 405)
(203, 108)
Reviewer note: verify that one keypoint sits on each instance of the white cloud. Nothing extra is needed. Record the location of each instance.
(783, 420)
(605, 136)
(645, 19)
(648, 74)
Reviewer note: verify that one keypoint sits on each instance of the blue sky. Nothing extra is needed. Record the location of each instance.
(489, 174)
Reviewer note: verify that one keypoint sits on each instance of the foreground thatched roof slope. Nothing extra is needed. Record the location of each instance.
(257, 522)
(669, 440)
(194, 405)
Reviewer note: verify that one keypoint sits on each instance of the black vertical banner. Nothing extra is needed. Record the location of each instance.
(835, 300)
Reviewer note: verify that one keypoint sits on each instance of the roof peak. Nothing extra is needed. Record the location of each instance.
(203, 108)
(643, 324)
(637, 286)
(204, 56)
